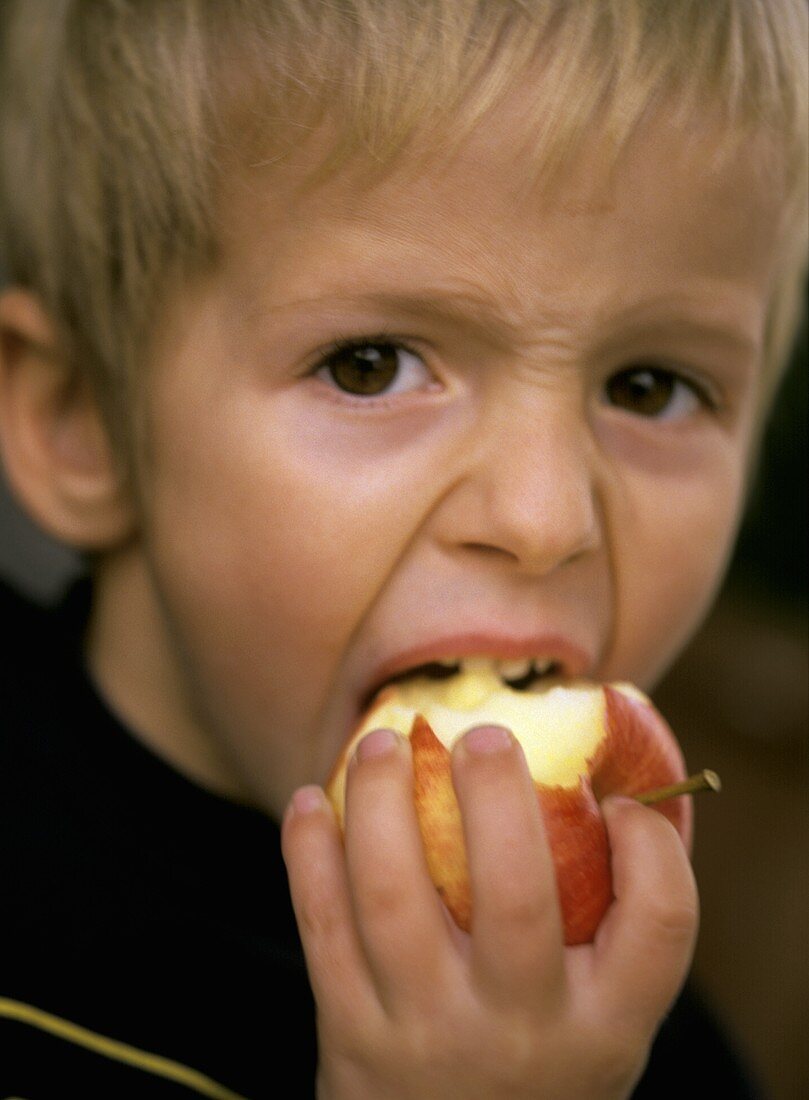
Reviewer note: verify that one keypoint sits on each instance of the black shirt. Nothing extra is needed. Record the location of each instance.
(147, 942)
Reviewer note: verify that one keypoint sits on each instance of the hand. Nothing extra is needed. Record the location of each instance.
(411, 1007)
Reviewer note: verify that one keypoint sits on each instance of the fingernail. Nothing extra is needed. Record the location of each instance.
(487, 740)
(306, 800)
(376, 744)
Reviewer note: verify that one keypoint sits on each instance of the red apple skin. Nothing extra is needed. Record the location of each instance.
(637, 753)
(578, 840)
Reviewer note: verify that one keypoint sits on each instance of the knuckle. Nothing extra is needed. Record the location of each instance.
(617, 1055)
(517, 1055)
(520, 910)
(506, 1056)
(617, 1052)
(317, 924)
(620, 1064)
(428, 1046)
(384, 901)
(676, 920)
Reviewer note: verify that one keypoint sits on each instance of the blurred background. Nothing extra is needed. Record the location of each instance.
(739, 702)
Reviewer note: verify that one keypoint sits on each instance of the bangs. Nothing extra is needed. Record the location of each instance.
(382, 80)
(417, 76)
(119, 121)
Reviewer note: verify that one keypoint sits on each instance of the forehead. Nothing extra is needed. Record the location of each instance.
(672, 201)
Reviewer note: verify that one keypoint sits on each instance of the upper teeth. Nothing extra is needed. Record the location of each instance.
(519, 673)
(514, 669)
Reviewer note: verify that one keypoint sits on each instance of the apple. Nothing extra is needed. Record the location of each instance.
(582, 741)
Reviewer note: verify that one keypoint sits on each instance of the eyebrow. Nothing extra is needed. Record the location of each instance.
(473, 310)
(664, 318)
(658, 316)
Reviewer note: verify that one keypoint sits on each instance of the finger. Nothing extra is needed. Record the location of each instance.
(517, 939)
(644, 946)
(399, 916)
(313, 852)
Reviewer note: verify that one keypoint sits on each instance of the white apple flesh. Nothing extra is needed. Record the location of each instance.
(581, 740)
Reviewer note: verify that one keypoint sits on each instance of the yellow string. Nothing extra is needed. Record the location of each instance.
(112, 1048)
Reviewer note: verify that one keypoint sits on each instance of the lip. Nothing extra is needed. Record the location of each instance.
(573, 660)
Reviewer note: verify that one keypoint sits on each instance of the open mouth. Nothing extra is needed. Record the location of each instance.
(522, 674)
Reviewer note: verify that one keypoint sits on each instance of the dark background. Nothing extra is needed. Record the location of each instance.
(739, 702)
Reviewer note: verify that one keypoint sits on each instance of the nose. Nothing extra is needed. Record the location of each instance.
(528, 488)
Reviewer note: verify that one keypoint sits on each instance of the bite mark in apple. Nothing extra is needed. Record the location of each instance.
(582, 741)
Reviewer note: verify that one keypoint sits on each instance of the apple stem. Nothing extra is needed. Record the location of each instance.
(703, 781)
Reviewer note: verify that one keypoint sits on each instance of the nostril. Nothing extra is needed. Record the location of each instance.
(489, 550)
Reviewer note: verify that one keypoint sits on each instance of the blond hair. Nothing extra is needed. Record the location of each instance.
(118, 118)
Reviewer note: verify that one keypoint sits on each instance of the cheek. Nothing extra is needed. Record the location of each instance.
(672, 546)
(267, 552)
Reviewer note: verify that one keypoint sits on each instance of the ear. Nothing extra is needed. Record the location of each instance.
(53, 444)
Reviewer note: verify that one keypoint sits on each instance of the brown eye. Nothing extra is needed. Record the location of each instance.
(364, 370)
(651, 392)
(373, 368)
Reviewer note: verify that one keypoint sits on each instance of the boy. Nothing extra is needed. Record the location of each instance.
(341, 338)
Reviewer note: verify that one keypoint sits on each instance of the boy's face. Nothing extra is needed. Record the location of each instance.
(536, 443)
